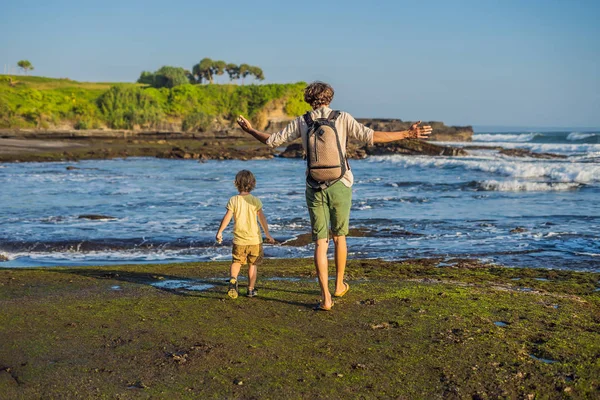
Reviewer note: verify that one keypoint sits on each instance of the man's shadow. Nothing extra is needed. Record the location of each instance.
(215, 287)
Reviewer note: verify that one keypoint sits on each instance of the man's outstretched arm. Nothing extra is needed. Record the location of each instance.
(415, 132)
(247, 127)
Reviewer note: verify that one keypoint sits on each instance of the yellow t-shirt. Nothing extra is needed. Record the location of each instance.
(245, 228)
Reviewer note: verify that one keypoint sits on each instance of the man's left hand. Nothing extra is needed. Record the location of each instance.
(419, 132)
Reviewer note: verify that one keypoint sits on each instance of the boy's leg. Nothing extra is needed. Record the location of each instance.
(255, 257)
(251, 276)
(234, 271)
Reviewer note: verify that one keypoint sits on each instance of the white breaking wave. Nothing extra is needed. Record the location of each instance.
(520, 186)
(534, 147)
(556, 171)
(580, 136)
(505, 137)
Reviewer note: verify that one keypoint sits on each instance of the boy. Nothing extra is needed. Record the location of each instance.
(247, 239)
(330, 207)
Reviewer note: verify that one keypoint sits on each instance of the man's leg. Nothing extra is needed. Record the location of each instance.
(318, 210)
(322, 267)
(340, 202)
(341, 254)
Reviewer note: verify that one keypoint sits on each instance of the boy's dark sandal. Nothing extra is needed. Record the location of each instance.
(252, 293)
(233, 288)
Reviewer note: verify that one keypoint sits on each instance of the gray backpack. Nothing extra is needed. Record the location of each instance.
(325, 160)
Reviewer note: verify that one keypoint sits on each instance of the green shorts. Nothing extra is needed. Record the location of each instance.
(329, 206)
(247, 254)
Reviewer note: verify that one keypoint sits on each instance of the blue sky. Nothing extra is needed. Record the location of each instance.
(502, 62)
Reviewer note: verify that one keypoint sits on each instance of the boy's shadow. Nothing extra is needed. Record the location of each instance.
(214, 290)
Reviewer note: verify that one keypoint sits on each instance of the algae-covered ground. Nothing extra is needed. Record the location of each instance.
(411, 330)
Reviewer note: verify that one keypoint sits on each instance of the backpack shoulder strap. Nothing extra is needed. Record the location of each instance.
(308, 119)
(333, 115)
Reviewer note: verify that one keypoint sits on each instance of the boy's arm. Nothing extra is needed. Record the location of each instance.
(415, 132)
(263, 222)
(224, 222)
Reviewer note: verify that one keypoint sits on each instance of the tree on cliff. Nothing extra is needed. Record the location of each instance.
(25, 65)
(258, 73)
(233, 71)
(246, 70)
(204, 70)
(218, 68)
(166, 76)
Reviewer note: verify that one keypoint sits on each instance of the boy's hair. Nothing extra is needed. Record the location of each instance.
(245, 181)
(318, 94)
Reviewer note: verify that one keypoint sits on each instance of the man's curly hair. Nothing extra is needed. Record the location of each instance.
(318, 94)
(245, 181)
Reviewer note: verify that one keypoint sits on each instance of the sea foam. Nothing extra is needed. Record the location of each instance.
(580, 136)
(505, 137)
(521, 186)
(556, 171)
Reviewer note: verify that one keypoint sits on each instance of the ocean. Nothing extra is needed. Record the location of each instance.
(512, 211)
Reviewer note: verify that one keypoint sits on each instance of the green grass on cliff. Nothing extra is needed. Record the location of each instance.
(38, 102)
(408, 330)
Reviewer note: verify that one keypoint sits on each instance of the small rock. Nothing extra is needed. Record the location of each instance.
(368, 302)
(95, 216)
(359, 366)
(138, 385)
(238, 382)
(339, 375)
(518, 229)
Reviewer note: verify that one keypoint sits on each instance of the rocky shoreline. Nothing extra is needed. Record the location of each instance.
(227, 144)
(414, 329)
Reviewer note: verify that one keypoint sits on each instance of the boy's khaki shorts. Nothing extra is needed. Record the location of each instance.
(247, 254)
(327, 207)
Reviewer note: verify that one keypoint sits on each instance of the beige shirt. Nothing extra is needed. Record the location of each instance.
(245, 227)
(345, 125)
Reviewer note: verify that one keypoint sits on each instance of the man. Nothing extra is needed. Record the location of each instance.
(332, 204)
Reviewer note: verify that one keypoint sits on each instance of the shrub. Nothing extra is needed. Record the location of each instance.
(125, 107)
(197, 121)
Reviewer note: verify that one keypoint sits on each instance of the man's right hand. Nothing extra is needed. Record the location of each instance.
(244, 124)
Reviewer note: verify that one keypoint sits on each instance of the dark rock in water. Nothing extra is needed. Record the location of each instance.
(95, 216)
(306, 238)
(415, 147)
(440, 132)
(518, 229)
(70, 168)
(527, 153)
(294, 150)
